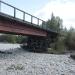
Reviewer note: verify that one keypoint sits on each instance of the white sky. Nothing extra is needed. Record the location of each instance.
(65, 9)
(43, 9)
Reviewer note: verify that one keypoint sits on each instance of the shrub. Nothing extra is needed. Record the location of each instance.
(15, 67)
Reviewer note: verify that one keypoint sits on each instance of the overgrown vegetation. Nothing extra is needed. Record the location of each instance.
(9, 38)
(65, 41)
(15, 67)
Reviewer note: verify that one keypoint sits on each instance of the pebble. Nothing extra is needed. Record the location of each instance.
(36, 63)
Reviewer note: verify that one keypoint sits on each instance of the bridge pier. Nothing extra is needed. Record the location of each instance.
(37, 44)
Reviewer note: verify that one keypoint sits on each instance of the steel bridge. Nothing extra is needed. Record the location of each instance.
(16, 21)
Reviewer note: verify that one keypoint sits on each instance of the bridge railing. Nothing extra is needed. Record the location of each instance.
(20, 14)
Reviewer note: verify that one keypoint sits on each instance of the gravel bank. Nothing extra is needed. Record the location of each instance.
(20, 62)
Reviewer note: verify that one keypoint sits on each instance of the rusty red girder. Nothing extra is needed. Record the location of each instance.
(8, 25)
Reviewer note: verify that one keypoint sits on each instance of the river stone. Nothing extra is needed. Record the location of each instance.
(72, 56)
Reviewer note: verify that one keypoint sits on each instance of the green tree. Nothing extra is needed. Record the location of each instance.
(55, 23)
(21, 39)
(10, 38)
(70, 39)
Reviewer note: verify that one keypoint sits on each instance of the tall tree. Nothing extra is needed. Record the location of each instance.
(70, 39)
(55, 23)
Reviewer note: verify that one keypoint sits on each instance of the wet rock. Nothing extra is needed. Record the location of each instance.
(5, 52)
(72, 56)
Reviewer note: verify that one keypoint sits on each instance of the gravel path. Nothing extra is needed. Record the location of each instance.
(20, 62)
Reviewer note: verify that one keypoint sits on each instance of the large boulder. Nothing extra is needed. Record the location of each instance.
(72, 56)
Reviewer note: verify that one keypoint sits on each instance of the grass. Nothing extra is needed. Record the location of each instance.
(52, 51)
(15, 67)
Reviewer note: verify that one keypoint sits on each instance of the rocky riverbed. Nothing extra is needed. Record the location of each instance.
(19, 62)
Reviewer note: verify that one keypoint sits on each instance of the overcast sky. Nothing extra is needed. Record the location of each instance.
(65, 9)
